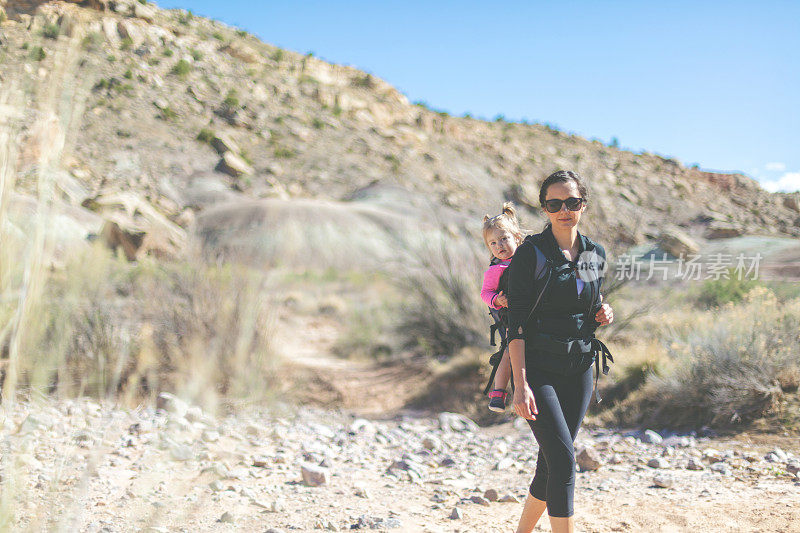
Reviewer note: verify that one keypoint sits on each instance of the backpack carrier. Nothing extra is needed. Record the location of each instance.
(560, 353)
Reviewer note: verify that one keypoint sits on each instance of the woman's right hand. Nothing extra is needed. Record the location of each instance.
(524, 402)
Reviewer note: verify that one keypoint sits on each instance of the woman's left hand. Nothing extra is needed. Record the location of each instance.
(605, 315)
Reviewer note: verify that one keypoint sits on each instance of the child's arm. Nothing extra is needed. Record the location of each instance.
(489, 293)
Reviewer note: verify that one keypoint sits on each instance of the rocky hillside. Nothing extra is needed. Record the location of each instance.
(181, 126)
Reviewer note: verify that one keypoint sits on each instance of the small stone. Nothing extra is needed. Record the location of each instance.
(431, 443)
(216, 486)
(209, 435)
(658, 462)
(480, 500)
(504, 464)
(508, 498)
(171, 403)
(181, 452)
(793, 467)
(194, 414)
(456, 514)
(361, 492)
(712, 455)
(694, 464)
(588, 459)
(226, 518)
(456, 422)
(663, 480)
(615, 459)
(722, 468)
(260, 461)
(314, 476)
(233, 165)
(274, 530)
(651, 437)
(491, 495)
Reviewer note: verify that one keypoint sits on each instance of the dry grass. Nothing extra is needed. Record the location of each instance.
(727, 367)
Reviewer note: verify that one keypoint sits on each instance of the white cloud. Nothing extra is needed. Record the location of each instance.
(775, 167)
(789, 182)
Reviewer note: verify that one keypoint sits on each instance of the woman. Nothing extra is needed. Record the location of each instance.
(554, 298)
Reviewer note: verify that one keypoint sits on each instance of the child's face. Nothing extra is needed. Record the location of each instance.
(502, 244)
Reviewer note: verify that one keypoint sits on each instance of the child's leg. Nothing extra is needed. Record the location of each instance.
(503, 372)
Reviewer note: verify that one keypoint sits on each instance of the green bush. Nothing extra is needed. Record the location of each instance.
(168, 52)
(317, 124)
(51, 31)
(205, 136)
(182, 68)
(197, 55)
(93, 41)
(231, 99)
(715, 293)
(284, 153)
(365, 81)
(38, 53)
(126, 44)
(168, 113)
(128, 74)
(278, 55)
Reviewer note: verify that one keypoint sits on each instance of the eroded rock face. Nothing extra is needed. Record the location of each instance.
(18, 7)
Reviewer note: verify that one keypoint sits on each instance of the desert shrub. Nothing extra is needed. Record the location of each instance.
(51, 31)
(37, 53)
(205, 135)
(168, 52)
(126, 44)
(365, 81)
(731, 366)
(231, 99)
(93, 41)
(284, 153)
(278, 55)
(443, 310)
(182, 68)
(128, 74)
(197, 55)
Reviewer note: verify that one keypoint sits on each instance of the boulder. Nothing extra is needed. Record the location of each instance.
(314, 476)
(721, 230)
(223, 142)
(233, 165)
(677, 243)
(129, 238)
(242, 52)
(144, 12)
(588, 459)
(129, 30)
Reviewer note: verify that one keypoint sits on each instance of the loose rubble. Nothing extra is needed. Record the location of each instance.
(307, 469)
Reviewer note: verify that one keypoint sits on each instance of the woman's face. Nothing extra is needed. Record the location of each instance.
(564, 219)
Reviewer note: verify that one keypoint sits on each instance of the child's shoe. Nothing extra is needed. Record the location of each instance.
(497, 400)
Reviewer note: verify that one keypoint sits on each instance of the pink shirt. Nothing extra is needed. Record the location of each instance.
(491, 279)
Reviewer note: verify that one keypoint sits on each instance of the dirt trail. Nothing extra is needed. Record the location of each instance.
(314, 376)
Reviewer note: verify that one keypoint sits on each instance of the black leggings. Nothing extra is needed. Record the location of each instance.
(562, 402)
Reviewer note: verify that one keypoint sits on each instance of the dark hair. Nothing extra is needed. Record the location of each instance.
(562, 176)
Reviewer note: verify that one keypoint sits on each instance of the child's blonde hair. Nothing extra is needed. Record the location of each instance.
(506, 220)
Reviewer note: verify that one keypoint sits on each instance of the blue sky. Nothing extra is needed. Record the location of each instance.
(712, 83)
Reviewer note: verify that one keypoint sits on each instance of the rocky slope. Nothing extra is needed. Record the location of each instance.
(176, 115)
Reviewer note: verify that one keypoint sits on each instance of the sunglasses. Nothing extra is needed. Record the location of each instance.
(554, 206)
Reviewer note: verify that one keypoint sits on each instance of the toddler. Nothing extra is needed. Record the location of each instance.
(502, 235)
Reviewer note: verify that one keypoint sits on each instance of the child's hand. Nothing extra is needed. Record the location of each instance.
(500, 300)
(605, 315)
